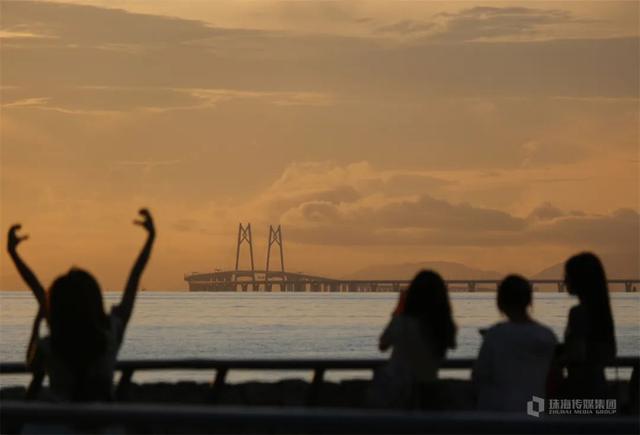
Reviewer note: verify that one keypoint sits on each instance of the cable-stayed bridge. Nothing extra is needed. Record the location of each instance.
(268, 279)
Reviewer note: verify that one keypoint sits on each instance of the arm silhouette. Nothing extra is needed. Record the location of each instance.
(32, 349)
(13, 240)
(574, 349)
(35, 360)
(128, 298)
(482, 372)
(388, 335)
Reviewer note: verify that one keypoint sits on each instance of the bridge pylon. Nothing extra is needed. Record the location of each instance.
(244, 236)
(275, 238)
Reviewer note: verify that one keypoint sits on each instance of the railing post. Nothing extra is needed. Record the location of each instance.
(124, 383)
(221, 375)
(316, 386)
(35, 386)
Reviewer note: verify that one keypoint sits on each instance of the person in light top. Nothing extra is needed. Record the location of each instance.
(516, 354)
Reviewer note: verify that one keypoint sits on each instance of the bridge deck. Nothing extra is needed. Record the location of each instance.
(261, 280)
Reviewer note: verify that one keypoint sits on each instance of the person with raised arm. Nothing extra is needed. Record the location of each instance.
(79, 355)
(420, 332)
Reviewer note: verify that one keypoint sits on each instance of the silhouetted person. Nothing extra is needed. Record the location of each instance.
(79, 355)
(633, 403)
(515, 355)
(419, 333)
(589, 339)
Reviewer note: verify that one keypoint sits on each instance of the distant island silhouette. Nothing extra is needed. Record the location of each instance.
(618, 265)
(408, 270)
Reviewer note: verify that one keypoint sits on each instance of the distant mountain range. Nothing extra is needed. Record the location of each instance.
(448, 269)
(617, 266)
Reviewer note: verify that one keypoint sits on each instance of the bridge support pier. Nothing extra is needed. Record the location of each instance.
(561, 286)
(472, 286)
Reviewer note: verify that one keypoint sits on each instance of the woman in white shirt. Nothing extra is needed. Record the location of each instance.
(515, 355)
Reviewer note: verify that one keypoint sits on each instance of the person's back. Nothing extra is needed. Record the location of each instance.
(79, 355)
(585, 356)
(413, 356)
(90, 380)
(419, 334)
(589, 339)
(515, 356)
(513, 365)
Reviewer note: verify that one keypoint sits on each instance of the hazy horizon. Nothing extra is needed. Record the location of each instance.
(500, 135)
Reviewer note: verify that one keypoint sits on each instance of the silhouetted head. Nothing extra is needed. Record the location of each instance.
(584, 276)
(428, 300)
(77, 319)
(586, 279)
(514, 296)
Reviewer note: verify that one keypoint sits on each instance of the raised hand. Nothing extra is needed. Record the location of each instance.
(13, 239)
(146, 222)
(125, 308)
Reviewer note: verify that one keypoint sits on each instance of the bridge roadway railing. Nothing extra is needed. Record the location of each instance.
(317, 284)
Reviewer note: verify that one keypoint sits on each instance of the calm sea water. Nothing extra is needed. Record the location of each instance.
(289, 325)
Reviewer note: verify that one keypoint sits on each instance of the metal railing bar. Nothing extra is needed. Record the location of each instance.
(296, 420)
(278, 364)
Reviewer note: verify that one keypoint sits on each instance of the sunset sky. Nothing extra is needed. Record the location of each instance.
(502, 135)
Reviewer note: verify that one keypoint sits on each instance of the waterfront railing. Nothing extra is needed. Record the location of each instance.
(222, 367)
(310, 419)
(209, 419)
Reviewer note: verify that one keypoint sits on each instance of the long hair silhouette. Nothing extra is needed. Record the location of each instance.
(428, 300)
(585, 278)
(79, 326)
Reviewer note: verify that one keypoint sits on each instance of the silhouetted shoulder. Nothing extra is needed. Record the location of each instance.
(546, 333)
(508, 333)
